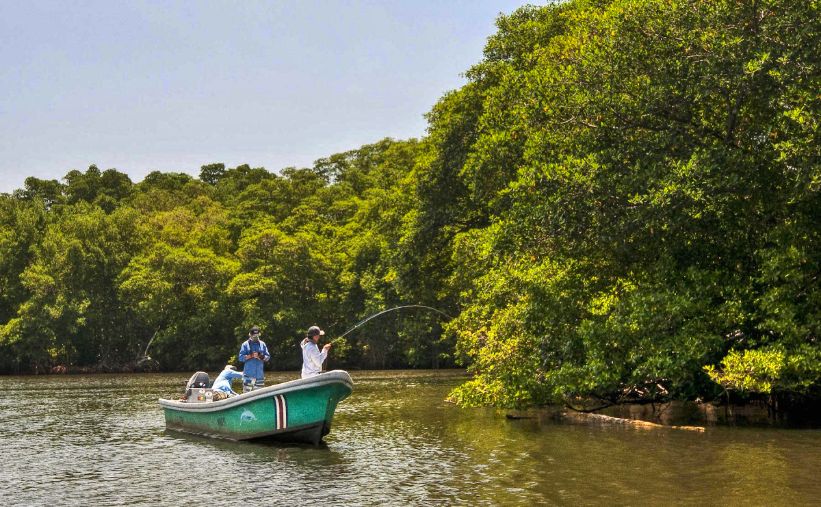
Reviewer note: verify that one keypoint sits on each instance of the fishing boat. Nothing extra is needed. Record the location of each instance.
(296, 411)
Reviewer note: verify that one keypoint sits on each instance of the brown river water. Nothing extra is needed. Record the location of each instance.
(101, 440)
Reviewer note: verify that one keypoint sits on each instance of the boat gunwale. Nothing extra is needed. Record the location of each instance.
(331, 377)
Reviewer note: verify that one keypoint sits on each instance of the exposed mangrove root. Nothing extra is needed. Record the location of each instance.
(607, 419)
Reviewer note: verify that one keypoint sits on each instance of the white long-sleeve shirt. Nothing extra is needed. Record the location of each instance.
(312, 358)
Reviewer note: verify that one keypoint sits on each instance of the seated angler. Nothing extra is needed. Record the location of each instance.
(222, 385)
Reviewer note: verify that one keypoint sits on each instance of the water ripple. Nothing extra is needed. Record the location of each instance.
(101, 440)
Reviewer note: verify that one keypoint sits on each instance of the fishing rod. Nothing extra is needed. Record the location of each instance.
(146, 357)
(363, 321)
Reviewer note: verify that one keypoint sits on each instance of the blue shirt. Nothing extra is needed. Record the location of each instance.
(223, 382)
(253, 367)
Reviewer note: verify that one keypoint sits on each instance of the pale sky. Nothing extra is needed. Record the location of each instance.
(170, 86)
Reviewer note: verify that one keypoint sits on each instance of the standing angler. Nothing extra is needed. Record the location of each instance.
(312, 358)
(254, 353)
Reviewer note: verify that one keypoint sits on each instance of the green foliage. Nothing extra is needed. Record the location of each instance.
(622, 193)
(644, 181)
(98, 271)
(71, 307)
(768, 370)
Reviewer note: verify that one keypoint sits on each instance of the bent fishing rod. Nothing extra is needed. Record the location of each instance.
(375, 315)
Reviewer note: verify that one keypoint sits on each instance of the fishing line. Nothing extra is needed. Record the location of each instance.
(363, 321)
(146, 357)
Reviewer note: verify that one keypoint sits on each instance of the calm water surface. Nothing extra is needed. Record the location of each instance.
(101, 440)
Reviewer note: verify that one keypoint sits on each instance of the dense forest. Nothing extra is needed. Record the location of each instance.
(621, 202)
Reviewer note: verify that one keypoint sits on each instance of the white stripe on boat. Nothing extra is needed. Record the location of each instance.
(282, 412)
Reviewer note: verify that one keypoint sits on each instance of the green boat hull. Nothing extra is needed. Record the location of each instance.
(297, 411)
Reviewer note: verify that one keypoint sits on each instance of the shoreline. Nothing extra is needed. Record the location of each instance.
(678, 415)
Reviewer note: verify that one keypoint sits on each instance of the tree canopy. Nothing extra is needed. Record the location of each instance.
(622, 201)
